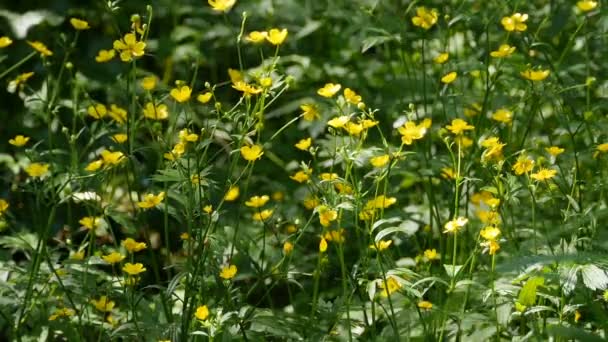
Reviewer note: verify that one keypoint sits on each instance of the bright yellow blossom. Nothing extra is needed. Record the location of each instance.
(326, 215)
(504, 50)
(262, 215)
(410, 131)
(329, 90)
(586, 5)
(425, 18)
(503, 115)
(449, 78)
(543, 174)
(186, 136)
(304, 144)
(310, 112)
(129, 47)
(535, 75)
(149, 82)
(232, 194)
(61, 313)
(257, 201)
(91, 222)
(133, 246)
(228, 272)
(246, 88)
(458, 126)
(94, 165)
(287, 247)
(382, 245)
(202, 312)
(252, 153)
(221, 5)
(351, 96)
(431, 255)
(425, 305)
(441, 58)
(181, 94)
(300, 176)
(276, 36)
(455, 225)
(5, 41)
(133, 269)
(490, 233)
(19, 140)
(98, 111)
(79, 24)
(380, 161)
(111, 158)
(257, 36)
(113, 258)
(151, 200)
(554, 150)
(119, 138)
(204, 98)
(523, 165)
(339, 122)
(103, 304)
(159, 112)
(37, 169)
(40, 47)
(515, 22)
(391, 285)
(104, 56)
(323, 245)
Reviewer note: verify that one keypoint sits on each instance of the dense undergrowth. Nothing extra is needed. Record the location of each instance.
(303, 170)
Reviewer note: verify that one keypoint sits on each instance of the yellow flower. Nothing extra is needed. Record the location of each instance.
(40, 47)
(488, 217)
(310, 202)
(523, 165)
(425, 305)
(449, 78)
(79, 24)
(252, 153)
(458, 126)
(153, 112)
(504, 50)
(351, 96)
(257, 201)
(431, 255)
(300, 176)
(455, 225)
(235, 75)
(287, 247)
(493, 149)
(329, 90)
(5, 41)
(257, 36)
(37, 169)
(380, 161)
(94, 165)
(113, 258)
(543, 174)
(186, 136)
(304, 144)
(602, 147)
(441, 58)
(390, 286)
(149, 82)
(133, 246)
(276, 36)
(310, 112)
(490, 246)
(204, 98)
(490, 233)
(262, 215)
(119, 138)
(448, 173)
(90, 222)
(129, 47)
(221, 5)
(151, 200)
(326, 215)
(60, 313)
(554, 150)
(181, 94)
(133, 269)
(577, 314)
(335, 236)
(104, 56)
(425, 18)
(535, 75)
(98, 111)
(586, 6)
(202, 312)
(380, 202)
(410, 132)
(515, 22)
(247, 89)
(353, 129)
(228, 272)
(19, 82)
(339, 122)
(19, 140)
(323, 245)
(208, 208)
(118, 114)
(111, 158)
(3, 206)
(382, 245)
(103, 304)
(232, 194)
(503, 115)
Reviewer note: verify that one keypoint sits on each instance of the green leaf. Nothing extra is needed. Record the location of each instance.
(594, 277)
(527, 295)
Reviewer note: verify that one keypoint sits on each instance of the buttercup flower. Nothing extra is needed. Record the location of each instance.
(425, 305)
(543, 174)
(19, 81)
(323, 245)
(129, 47)
(113, 258)
(228, 272)
(391, 285)
(91, 222)
(425, 18)
(410, 131)
(503, 115)
(79, 24)
(40, 47)
(151, 200)
(287, 247)
(118, 114)
(37, 169)
(181, 94)
(351, 96)
(149, 82)
(158, 112)
(535, 75)
(257, 201)
(133, 246)
(310, 112)
(111, 158)
(304, 144)
(441, 58)
(382, 245)
(276, 36)
(5, 41)
(455, 225)
(105, 56)
(523, 165)
(326, 215)
(232, 194)
(133, 269)
(554, 150)
(515, 22)
(246, 88)
(329, 90)
(431, 255)
(202, 312)
(380, 161)
(300, 176)
(586, 5)
(459, 126)
(204, 98)
(449, 78)
(61, 313)
(257, 36)
(103, 304)
(19, 140)
(262, 215)
(504, 50)
(339, 122)
(490, 233)
(221, 5)
(252, 153)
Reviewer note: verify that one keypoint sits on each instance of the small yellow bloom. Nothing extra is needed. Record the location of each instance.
(310, 112)
(61, 313)
(208, 208)
(151, 200)
(351, 96)
(504, 50)
(104, 56)
(425, 18)
(503, 115)
(543, 174)
(133, 246)
(19, 140)
(186, 136)
(490, 233)
(257, 201)
(382, 245)
(149, 82)
(204, 98)
(326, 215)
(493, 149)
(554, 150)
(103, 304)
(449, 78)
(329, 90)
(310, 202)
(111, 158)
(228, 272)
(262, 215)
(602, 147)
(90, 222)
(535, 75)
(153, 112)
(235, 75)
(276, 36)
(523, 165)
(448, 173)
(246, 88)
(252, 153)
(133, 269)
(202, 312)
(390, 286)
(119, 138)
(515, 22)
(257, 36)
(304, 144)
(577, 316)
(118, 114)
(380, 161)
(5, 41)
(221, 5)
(410, 131)
(586, 6)
(98, 111)
(458, 126)
(287, 247)
(353, 129)
(431, 255)
(94, 165)
(425, 305)
(339, 122)
(300, 177)
(441, 58)
(37, 169)
(3, 206)
(113, 258)
(79, 24)
(323, 245)
(129, 47)
(181, 94)
(40, 47)
(232, 194)
(455, 225)
(266, 82)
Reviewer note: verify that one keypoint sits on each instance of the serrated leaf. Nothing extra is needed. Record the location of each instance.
(527, 295)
